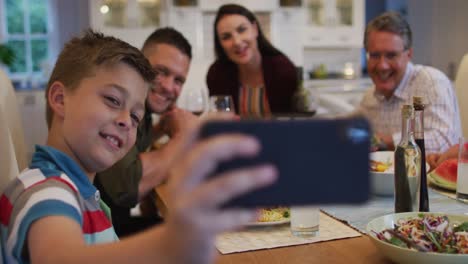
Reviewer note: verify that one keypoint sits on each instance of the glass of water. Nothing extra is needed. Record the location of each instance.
(462, 177)
(305, 221)
(221, 103)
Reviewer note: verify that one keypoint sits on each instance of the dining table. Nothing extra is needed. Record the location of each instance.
(349, 250)
(359, 249)
(354, 250)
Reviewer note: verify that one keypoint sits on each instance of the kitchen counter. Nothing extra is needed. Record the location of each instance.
(339, 85)
(333, 97)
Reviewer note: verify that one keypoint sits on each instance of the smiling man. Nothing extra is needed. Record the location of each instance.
(388, 43)
(171, 64)
(135, 176)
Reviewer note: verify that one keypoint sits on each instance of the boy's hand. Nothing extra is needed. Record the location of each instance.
(194, 216)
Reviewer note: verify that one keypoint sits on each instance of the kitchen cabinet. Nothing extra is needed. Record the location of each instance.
(287, 32)
(130, 20)
(188, 21)
(295, 24)
(309, 32)
(333, 23)
(338, 97)
(257, 5)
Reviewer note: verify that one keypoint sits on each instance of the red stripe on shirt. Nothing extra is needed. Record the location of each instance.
(254, 102)
(55, 178)
(5, 212)
(94, 222)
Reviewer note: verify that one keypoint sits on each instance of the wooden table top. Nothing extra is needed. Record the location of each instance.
(349, 250)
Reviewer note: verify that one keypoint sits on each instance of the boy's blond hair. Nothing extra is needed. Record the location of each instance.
(82, 55)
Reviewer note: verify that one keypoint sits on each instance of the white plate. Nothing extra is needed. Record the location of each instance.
(404, 255)
(431, 179)
(272, 223)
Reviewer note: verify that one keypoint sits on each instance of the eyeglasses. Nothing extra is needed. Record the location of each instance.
(391, 56)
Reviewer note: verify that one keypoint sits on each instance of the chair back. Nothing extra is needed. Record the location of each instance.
(461, 87)
(12, 145)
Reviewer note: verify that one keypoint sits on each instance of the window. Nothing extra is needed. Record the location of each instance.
(27, 31)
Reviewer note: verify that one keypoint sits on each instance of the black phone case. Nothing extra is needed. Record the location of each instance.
(319, 161)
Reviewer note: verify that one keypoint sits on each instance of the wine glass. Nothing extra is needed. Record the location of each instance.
(221, 103)
(196, 101)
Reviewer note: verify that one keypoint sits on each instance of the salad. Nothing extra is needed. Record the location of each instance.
(428, 233)
(273, 214)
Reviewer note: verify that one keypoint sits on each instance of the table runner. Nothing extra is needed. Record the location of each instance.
(280, 236)
(358, 216)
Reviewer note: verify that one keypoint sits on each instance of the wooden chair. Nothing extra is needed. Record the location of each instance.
(12, 145)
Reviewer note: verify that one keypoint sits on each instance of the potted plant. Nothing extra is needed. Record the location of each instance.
(7, 55)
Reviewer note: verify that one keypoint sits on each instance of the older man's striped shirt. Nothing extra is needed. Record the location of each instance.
(442, 127)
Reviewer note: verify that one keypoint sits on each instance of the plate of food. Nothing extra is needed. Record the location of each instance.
(272, 216)
(445, 175)
(418, 237)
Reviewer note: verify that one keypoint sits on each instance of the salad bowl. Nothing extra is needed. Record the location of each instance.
(404, 255)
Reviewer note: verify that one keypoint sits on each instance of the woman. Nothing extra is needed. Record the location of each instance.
(260, 78)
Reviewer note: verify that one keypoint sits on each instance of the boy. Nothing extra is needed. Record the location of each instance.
(132, 178)
(95, 100)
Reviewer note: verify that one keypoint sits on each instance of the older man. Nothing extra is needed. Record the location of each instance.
(129, 180)
(388, 42)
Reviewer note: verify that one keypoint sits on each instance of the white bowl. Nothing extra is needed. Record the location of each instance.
(404, 255)
(382, 183)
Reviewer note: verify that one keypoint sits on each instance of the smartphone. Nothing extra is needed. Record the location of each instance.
(320, 161)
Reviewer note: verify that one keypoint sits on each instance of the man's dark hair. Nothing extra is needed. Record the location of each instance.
(392, 22)
(170, 36)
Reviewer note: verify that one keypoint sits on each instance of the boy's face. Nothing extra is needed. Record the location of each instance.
(101, 116)
(171, 67)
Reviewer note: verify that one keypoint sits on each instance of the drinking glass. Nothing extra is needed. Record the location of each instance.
(221, 103)
(462, 175)
(305, 221)
(196, 101)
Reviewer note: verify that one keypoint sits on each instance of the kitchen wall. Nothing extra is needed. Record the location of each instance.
(72, 19)
(440, 32)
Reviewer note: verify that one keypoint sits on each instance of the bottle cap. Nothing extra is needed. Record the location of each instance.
(407, 111)
(418, 103)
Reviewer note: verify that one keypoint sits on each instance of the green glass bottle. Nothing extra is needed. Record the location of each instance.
(407, 165)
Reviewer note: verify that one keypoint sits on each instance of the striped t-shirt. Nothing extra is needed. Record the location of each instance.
(54, 184)
(253, 102)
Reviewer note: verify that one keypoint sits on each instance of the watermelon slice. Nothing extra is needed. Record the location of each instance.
(445, 175)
